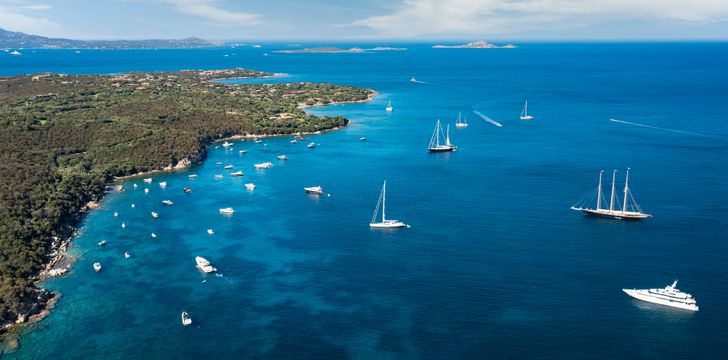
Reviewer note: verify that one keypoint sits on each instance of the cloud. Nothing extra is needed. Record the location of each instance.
(503, 17)
(12, 19)
(38, 7)
(208, 9)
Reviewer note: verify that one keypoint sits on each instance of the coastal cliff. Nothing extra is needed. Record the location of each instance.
(63, 138)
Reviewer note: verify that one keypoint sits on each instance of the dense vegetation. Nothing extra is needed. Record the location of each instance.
(63, 137)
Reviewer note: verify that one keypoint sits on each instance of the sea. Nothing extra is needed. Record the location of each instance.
(495, 264)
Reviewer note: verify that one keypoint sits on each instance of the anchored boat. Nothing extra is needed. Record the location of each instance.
(668, 296)
(435, 145)
(630, 209)
(385, 223)
(524, 112)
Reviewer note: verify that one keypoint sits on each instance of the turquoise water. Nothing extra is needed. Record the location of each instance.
(495, 264)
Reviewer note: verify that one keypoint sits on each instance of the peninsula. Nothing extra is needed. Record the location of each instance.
(480, 44)
(63, 138)
(12, 39)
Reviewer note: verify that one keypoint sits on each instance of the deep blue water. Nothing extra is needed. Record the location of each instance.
(495, 264)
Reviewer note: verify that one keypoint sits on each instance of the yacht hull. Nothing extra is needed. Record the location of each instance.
(441, 149)
(641, 295)
(387, 225)
(617, 215)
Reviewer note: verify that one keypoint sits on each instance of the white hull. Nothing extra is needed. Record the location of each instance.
(528, 117)
(642, 295)
(615, 214)
(388, 224)
(461, 125)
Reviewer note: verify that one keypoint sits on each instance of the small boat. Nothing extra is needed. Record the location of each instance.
(186, 319)
(524, 112)
(435, 145)
(231, 149)
(362, 139)
(282, 157)
(163, 184)
(136, 186)
(133, 206)
(294, 141)
(250, 186)
(123, 225)
(116, 214)
(15, 53)
(218, 163)
(258, 141)
(669, 296)
(311, 145)
(167, 202)
(192, 176)
(154, 236)
(227, 144)
(148, 180)
(227, 211)
(389, 107)
(210, 231)
(187, 190)
(461, 122)
(243, 152)
(97, 266)
(218, 177)
(299, 137)
(228, 167)
(146, 191)
(264, 165)
(237, 173)
(204, 265)
(127, 255)
(385, 223)
(315, 190)
(101, 243)
(630, 209)
(413, 79)
(155, 215)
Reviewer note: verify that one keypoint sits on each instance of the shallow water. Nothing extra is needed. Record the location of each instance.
(495, 264)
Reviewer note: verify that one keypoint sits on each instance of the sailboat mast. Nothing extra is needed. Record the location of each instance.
(599, 190)
(437, 131)
(525, 109)
(611, 197)
(626, 191)
(384, 198)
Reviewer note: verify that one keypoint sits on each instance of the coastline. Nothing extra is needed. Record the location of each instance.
(11, 332)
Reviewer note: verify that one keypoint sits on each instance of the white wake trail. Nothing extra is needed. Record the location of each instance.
(664, 128)
(487, 119)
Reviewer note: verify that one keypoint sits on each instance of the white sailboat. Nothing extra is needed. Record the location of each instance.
(524, 112)
(630, 209)
(435, 145)
(385, 223)
(389, 107)
(461, 122)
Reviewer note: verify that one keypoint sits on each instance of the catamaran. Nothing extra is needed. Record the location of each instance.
(461, 122)
(524, 112)
(385, 223)
(435, 145)
(630, 209)
(389, 107)
(669, 296)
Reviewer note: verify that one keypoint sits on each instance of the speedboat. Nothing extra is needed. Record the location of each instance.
(187, 190)
(228, 167)
(127, 255)
(668, 296)
(316, 190)
(148, 180)
(282, 157)
(294, 141)
(97, 266)
(218, 177)
(250, 186)
(264, 165)
(227, 144)
(237, 173)
(101, 243)
(186, 319)
(243, 152)
(258, 141)
(192, 176)
(362, 139)
(204, 265)
(210, 232)
(155, 215)
(163, 184)
(154, 236)
(227, 211)
(311, 145)
(167, 202)
(146, 190)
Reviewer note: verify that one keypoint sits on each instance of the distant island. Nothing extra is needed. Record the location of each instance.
(323, 50)
(480, 44)
(64, 138)
(12, 39)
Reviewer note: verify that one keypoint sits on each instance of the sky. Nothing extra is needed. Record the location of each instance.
(370, 20)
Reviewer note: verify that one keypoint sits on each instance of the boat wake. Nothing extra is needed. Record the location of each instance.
(666, 129)
(487, 119)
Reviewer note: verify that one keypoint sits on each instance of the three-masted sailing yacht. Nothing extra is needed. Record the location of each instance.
(435, 145)
(630, 209)
(524, 112)
(462, 121)
(385, 223)
(389, 107)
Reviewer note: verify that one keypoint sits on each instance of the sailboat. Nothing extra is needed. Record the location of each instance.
(630, 209)
(524, 112)
(413, 79)
(389, 107)
(461, 122)
(435, 145)
(385, 223)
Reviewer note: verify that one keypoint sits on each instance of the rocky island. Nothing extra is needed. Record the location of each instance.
(63, 138)
(480, 44)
